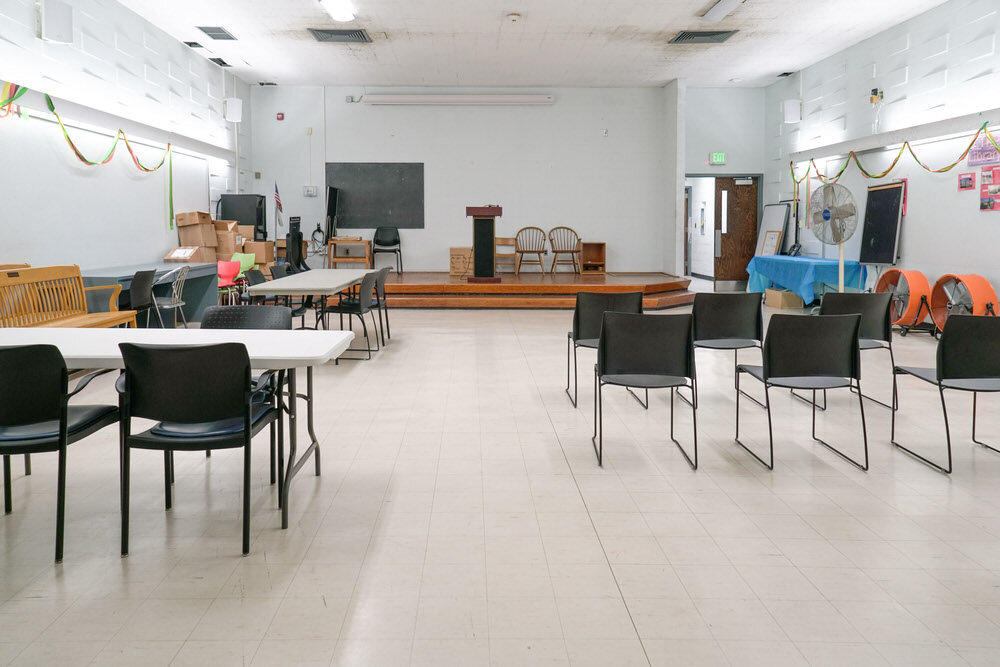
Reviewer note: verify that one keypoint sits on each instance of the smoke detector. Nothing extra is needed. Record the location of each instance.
(513, 17)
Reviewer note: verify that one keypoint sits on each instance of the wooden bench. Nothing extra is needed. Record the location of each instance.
(54, 296)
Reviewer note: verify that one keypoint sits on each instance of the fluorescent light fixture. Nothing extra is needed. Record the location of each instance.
(721, 10)
(467, 100)
(339, 10)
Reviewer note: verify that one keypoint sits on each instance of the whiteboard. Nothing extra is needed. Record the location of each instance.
(56, 210)
(775, 219)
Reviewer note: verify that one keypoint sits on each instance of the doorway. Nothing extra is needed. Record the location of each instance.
(721, 215)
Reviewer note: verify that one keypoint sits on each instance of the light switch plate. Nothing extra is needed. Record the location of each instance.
(310, 191)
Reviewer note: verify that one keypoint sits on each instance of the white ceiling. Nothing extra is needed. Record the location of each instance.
(556, 42)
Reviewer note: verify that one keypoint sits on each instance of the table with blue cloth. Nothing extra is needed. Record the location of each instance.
(801, 274)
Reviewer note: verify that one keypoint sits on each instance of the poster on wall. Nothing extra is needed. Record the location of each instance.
(967, 181)
(989, 190)
(983, 152)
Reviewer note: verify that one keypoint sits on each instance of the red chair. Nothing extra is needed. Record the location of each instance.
(227, 280)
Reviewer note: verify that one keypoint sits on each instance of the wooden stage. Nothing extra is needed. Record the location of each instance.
(416, 289)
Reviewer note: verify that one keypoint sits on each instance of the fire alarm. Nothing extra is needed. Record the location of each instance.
(280, 116)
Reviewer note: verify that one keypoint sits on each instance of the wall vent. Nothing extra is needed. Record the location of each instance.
(216, 32)
(349, 36)
(266, 83)
(702, 36)
(220, 62)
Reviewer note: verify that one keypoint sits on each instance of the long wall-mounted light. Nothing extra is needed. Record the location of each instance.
(467, 100)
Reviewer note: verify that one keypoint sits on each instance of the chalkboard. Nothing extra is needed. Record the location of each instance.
(378, 194)
(883, 214)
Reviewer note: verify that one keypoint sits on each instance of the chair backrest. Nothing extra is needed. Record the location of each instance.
(247, 261)
(588, 315)
(969, 348)
(380, 277)
(228, 271)
(34, 382)
(255, 277)
(876, 322)
(188, 384)
(564, 239)
(279, 271)
(504, 243)
(365, 290)
(33, 296)
(177, 287)
(812, 346)
(386, 236)
(140, 291)
(247, 317)
(530, 239)
(636, 344)
(719, 315)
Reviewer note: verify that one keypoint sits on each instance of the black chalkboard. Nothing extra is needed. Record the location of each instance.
(378, 194)
(883, 213)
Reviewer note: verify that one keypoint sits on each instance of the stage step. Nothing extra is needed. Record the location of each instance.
(649, 302)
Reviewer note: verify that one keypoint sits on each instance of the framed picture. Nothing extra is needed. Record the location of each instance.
(967, 181)
(772, 241)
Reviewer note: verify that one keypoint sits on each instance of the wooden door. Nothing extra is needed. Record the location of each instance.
(735, 227)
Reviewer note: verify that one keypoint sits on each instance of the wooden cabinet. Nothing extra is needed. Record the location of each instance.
(593, 257)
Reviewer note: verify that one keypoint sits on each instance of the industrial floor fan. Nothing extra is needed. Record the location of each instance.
(966, 294)
(911, 293)
(834, 218)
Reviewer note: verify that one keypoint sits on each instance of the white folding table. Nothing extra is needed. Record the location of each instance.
(317, 282)
(283, 351)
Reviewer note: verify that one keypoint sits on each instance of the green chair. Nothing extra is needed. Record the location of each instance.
(247, 261)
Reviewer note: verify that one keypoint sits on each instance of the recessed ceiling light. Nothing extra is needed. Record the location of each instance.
(339, 10)
(721, 10)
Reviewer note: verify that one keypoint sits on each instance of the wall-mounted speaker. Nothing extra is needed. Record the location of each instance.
(232, 109)
(55, 21)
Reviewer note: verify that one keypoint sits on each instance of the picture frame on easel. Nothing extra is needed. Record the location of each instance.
(772, 242)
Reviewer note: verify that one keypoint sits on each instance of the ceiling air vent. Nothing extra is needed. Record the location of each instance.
(194, 45)
(266, 83)
(349, 36)
(702, 36)
(216, 32)
(220, 62)
(785, 74)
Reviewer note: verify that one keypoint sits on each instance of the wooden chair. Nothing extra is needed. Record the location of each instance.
(504, 258)
(564, 241)
(529, 241)
(54, 296)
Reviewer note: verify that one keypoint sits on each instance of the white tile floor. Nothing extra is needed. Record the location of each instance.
(461, 519)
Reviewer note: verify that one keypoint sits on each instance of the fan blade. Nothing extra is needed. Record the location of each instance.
(842, 211)
(828, 196)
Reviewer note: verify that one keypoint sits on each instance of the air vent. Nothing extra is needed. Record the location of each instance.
(220, 62)
(266, 83)
(194, 45)
(785, 74)
(216, 32)
(702, 36)
(356, 36)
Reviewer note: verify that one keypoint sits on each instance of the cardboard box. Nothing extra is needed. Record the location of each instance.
(265, 269)
(780, 298)
(227, 244)
(246, 231)
(263, 251)
(190, 254)
(226, 225)
(197, 235)
(193, 218)
(461, 262)
(281, 252)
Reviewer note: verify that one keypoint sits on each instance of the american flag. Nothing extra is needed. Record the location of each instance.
(277, 197)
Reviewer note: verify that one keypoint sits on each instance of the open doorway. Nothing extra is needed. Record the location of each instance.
(722, 213)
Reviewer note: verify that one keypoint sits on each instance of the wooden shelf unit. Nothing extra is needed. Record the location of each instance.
(593, 256)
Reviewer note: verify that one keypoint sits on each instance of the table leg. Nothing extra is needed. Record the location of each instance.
(295, 465)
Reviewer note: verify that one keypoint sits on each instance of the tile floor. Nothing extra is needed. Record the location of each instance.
(461, 519)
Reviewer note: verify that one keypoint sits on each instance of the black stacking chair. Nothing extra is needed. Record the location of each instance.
(215, 409)
(306, 305)
(141, 295)
(811, 354)
(359, 308)
(648, 351)
(386, 240)
(35, 416)
(379, 301)
(253, 277)
(588, 316)
(968, 359)
(876, 323)
(729, 321)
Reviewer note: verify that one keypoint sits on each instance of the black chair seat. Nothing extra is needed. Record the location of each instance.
(727, 343)
(643, 381)
(871, 344)
(969, 384)
(807, 383)
(219, 434)
(79, 418)
(586, 342)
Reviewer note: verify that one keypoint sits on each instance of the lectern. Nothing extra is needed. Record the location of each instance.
(483, 239)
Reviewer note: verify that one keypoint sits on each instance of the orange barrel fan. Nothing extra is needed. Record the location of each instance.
(966, 294)
(908, 289)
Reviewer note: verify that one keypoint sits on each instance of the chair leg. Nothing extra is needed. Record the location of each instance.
(770, 431)
(364, 328)
(892, 364)
(736, 364)
(60, 504)
(947, 433)
(810, 402)
(375, 329)
(694, 418)
(246, 499)
(864, 433)
(388, 329)
(975, 395)
(517, 263)
(569, 344)
(399, 259)
(184, 321)
(167, 472)
(381, 323)
(27, 464)
(598, 439)
(8, 500)
(159, 318)
(126, 465)
(172, 467)
(273, 455)
(645, 405)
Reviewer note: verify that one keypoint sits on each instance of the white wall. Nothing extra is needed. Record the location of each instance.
(546, 166)
(675, 94)
(725, 119)
(941, 64)
(702, 256)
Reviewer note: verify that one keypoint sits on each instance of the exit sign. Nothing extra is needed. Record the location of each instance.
(717, 158)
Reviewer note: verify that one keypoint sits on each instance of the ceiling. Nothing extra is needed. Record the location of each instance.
(555, 43)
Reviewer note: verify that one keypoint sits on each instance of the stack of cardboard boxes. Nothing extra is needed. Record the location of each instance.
(205, 240)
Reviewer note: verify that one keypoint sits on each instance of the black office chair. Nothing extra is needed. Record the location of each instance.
(359, 308)
(215, 410)
(386, 239)
(812, 354)
(35, 416)
(379, 301)
(729, 321)
(588, 316)
(306, 305)
(968, 359)
(648, 351)
(876, 323)
(141, 295)
(253, 277)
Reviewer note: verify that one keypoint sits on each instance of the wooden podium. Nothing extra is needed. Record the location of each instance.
(483, 243)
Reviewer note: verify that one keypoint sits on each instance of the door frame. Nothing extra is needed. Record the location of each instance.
(739, 174)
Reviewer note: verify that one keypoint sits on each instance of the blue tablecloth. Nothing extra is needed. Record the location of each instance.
(800, 274)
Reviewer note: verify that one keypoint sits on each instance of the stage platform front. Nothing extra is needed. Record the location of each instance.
(414, 289)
